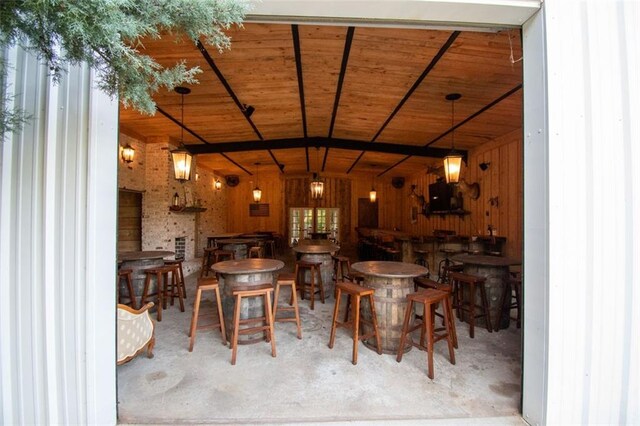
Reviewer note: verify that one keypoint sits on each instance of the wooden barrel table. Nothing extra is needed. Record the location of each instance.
(138, 262)
(320, 253)
(496, 271)
(244, 273)
(392, 282)
(237, 245)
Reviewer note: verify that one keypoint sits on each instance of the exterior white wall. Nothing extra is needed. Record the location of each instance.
(57, 250)
(593, 79)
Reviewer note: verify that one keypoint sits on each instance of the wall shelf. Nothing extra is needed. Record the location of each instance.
(187, 209)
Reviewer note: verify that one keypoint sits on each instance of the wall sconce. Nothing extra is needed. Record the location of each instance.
(181, 157)
(217, 185)
(483, 166)
(127, 153)
(453, 161)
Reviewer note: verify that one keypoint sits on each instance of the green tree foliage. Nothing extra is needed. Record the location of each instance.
(108, 35)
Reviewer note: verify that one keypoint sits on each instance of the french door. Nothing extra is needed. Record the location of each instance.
(305, 220)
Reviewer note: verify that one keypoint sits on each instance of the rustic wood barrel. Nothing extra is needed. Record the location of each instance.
(239, 250)
(390, 300)
(496, 279)
(244, 273)
(138, 262)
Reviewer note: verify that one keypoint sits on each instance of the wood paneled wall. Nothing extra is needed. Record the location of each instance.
(337, 193)
(502, 179)
(240, 196)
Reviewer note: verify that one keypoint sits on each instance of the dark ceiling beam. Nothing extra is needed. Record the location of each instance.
(477, 113)
(225, 83)
(319, 142)
(200, 138)
(236, 164)
(413, 88)
(343, 69)
(296, 49)
(466, 120)
(175, 120)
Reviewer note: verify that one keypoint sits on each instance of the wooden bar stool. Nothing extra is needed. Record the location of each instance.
(339, 264)
(357, 292)
(180, 275)
(162, 288)
(207, 260)
(266, 321)
(220, 255)
(513, 290)
(256, 252)
(458, 281)
(206, 284)
(270, 248)
(314, 270)
(427, 283)
(287, 280)
(126, 274)
(422, 257)
(429, 299)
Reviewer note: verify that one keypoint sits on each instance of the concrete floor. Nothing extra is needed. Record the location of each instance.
(308, 382)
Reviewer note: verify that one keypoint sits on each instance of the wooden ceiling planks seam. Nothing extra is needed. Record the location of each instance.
(345, 97)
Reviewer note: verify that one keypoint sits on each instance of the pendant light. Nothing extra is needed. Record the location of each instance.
(373, 195)
(317, 185)
(181, 157)
(257, 192)
(453, 160)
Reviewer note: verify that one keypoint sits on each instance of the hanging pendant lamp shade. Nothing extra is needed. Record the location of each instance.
(257, 192)
(181, 157)
(453, 161)
(373, 195)
(127, 153)
(317, 185)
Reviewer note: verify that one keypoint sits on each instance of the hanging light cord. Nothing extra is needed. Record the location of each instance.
(182, 122)
(453, 132)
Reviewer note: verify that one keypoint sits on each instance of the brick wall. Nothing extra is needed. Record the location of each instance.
(152, 172)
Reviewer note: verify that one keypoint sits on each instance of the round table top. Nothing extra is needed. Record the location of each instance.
(316, 248)
(143, 255)
(236, 241)
(475, 259)
(225, 235)
(381, 268)
(247, 266)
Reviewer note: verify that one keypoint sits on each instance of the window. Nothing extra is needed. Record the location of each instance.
(304, 220)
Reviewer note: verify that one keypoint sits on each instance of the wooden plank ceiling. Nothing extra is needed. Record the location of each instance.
(353, 90)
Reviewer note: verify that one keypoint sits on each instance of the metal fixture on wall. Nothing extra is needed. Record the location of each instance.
(257, 192)
(127, 153)
(484, 166)
(317, 185)
(453, 160)
(181, 157)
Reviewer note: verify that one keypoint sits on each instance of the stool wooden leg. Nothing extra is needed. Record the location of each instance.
(221, 317)
(132, 296)
(300, 282)
(194, 319)
(176, 286)
(485, 306)
(313, 287)
(276, 294)
(356, 329)
(375, 324)
(405, 326)
(449, 329)
(335, 320)
(321, 284)
(267, 301)
(236, 328)
(295, 309)
(427, 323)
(452, 318)
(472, 310)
